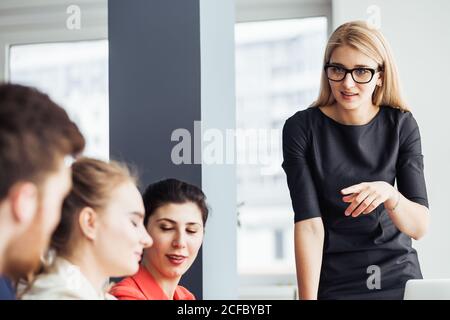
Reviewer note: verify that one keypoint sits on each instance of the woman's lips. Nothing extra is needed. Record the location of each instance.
(348, 96)
(176, 259)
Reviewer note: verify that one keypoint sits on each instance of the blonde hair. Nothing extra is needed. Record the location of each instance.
(358, 35)
(93, 182)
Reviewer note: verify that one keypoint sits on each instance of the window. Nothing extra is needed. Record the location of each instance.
(38, 48)
(75, 75)
(278, 67)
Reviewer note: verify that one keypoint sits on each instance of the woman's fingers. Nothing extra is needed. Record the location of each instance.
(357, 188)
(350, 197)
(356, 202)
(363, 198)
(366, 203)
(375, 203)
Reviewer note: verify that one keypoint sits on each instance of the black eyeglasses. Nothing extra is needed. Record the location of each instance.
(360, 75)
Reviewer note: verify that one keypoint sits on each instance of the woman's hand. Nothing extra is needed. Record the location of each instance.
(367, 196)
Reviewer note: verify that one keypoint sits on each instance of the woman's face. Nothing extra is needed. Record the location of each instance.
(121, 236)
(177, 232)
(349, 94)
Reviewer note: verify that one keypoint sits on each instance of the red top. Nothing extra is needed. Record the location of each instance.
(142, 286)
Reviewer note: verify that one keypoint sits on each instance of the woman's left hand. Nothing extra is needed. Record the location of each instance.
(367, 196)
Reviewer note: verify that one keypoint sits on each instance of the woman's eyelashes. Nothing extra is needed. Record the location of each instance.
(165, 227)
(137, 223)
(361, 71)
(136, 219)
(169, 228)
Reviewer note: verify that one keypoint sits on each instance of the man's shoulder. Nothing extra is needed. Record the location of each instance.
(6, 289)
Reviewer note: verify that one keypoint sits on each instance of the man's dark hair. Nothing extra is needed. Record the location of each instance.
(35, 134)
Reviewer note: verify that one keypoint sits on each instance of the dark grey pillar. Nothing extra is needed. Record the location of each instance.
(154, 88)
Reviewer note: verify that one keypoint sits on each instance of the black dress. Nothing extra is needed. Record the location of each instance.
(321, 157)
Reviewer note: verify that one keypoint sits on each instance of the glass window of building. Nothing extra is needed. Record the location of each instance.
(278, 68)
(75, 75)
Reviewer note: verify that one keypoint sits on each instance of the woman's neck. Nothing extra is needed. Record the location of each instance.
(358, 116)
(85, 259)
(168, 285)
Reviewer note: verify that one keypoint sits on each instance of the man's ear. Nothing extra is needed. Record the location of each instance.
(24, 202)
(88, 221)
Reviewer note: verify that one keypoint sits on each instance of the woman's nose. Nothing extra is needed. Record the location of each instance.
(348, 81)
(180, 240)
(146, 239)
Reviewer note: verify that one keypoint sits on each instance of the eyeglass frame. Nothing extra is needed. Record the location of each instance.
(372, 71)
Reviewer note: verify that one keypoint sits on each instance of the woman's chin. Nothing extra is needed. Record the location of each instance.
(174, 273)
(134, 270)
(126, 271)
(346, 105)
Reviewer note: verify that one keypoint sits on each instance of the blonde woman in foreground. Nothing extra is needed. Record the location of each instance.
(101, 235)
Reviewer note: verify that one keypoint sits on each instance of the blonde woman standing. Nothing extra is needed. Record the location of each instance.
(342, 157)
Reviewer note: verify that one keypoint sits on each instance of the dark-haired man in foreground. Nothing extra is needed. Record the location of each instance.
(36, 140)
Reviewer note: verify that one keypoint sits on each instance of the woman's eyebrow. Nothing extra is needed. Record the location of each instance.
(174, 222)
(337, 64)
(139, 214)
(193, 223)
(166, 219)
(355, 66)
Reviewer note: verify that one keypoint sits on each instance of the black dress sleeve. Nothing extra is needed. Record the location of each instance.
(410, 175)
(300, 182)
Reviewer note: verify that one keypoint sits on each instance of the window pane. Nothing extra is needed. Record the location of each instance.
(278, 68)
(75, 75)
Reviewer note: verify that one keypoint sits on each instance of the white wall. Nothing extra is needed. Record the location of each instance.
(218, 111)
(258, 10)
(419, 34)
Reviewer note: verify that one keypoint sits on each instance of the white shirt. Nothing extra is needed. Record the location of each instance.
(63, 281)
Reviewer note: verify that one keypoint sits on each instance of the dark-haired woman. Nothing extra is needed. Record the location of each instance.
(175, 216)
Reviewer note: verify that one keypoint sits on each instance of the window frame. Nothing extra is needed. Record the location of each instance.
(266, 10)
(44, 21)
